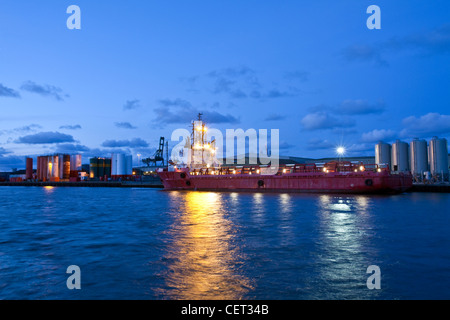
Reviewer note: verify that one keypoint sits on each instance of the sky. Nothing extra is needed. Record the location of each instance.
(138, 70)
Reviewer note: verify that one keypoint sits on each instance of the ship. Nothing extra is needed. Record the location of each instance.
(343, 177)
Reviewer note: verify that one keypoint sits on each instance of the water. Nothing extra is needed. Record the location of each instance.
(151, 244)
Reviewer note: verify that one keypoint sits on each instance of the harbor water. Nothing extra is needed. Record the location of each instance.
(138, 243)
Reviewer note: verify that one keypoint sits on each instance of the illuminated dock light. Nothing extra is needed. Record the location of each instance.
(340, 150)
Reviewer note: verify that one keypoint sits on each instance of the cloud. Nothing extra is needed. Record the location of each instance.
(378, 135)
(8, 92)
(436, 41)
(124, 125)
(359, 107)
(71, 148)
(3, 151)
(351, 107)
(44, 90)
(364, 53)
(320, 144)
(324, 120)
(45, 138)
(297, 75)
(11, 161)
(275, 117)
(71, 127)
(131, 104)
(25, 129)
(431, 42)
(182, 111)
(133, 143)
(285, 146)
(425, 126)
(175, 103)
(243, 82)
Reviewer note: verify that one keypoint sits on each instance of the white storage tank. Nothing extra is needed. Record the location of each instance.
(113, 164)
(438, 153)
(75, 162)
(400, 156)
(121, 164)
(383, 154)
(55, 167)
(128, 165)
(418, 157)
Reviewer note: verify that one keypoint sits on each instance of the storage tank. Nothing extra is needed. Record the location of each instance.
(418, 157)
(93, 168)
(75, 162)
(400, 156)
(29, 169)
(101, 168)
(438, 153)
(383, 153)
(129, 165)
(121, 164)
(55, 167)
(108, 167)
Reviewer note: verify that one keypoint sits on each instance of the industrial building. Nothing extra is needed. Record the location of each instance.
(426, 161)
(100, 168)
(57, 167)
(121, 166)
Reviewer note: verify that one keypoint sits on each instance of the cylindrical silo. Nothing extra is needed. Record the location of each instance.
(438, 156)
(93, 168)
(55, 167)
(129, 165)
(66, 167)
(75, 162)
(418, 157)
(400, 156)
(108, 167)
(121, 164)
(29, 168)
(101, 167)
(383, 154)
(113, 165)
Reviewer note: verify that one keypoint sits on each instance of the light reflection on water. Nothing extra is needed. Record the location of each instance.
(343, 242)
(204, 263)
(136, 244)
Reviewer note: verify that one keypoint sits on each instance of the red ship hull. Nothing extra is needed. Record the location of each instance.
(314, 182)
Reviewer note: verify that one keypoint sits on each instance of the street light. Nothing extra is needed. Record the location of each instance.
(340, 150)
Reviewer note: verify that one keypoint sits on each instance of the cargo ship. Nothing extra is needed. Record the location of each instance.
(331, 177)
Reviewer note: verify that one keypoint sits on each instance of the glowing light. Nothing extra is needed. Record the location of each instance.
(340, 150)
(324, 169)
(284, 170)
(361, 168)
(379, 170)
(257, 171)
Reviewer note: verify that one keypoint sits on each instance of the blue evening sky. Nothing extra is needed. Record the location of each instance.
(137, 70)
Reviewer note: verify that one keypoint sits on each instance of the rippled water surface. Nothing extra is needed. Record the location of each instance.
(152, 244)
